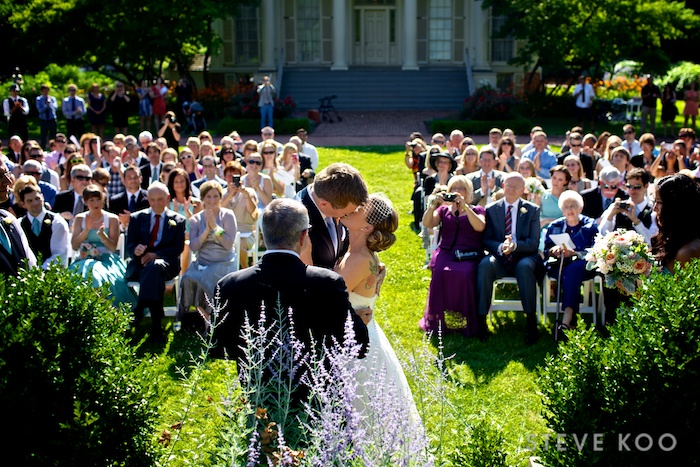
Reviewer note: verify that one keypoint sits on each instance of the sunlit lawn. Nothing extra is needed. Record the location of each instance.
(495, 379)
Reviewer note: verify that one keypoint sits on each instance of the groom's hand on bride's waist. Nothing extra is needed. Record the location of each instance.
(365, 314)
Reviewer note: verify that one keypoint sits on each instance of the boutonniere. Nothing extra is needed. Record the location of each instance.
(8, 220)
(47, 221)
(523, 210)
(172, 223)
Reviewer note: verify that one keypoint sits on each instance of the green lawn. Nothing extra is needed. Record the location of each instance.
(493, 380)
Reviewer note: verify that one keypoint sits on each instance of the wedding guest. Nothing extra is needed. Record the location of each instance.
(46, 108)
(46, 232)
(133, 199)
(646, 158)
(670, 161)
(469, 161)
(505, 155)
(244, 204)
(288, 170)
(261, 183)
(551, 210)
(543, 158)
(14, 247)
(119, 106)
(453, 283)
(70, 202)
(189, 164)
(635, 213)
(597, 200)
(183, 202)
(691, 104)
(487, 181)
(212, 232)
(669, 111)
(210, 173)
(678, 240)
(97, 110)
(17, 208)
(582, 231)
(95, 237)
(578, 181)
(145, 106)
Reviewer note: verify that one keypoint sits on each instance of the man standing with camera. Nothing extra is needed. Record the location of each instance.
(170, 130)
(267, 93)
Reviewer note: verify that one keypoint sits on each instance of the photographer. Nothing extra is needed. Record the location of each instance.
(671, 160)
(455, 261)
(170, 130)
(244, 204)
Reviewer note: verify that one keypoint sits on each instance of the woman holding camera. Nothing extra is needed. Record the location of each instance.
(671, 160)
(244, 204)
(170, 130)
(456, 259)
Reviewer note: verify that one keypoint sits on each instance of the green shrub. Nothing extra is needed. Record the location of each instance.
(490, 104)
(681, 75)
(484, 447)
(287, 126)
(71, 390)
(520, 126)
(641, 381)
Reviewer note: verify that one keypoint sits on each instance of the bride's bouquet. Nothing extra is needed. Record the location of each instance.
(88, 250)
(622, 256)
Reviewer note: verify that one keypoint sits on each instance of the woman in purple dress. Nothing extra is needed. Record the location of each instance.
(456, 259)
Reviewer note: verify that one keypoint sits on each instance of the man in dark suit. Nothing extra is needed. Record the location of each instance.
(70, 202)
(133, 199)
(14, 247)
(151, 172)
(486, 175)
(317, 297)
(47, 233)
(154, 241)
(337, 191)
(597, 200)
(512, 236)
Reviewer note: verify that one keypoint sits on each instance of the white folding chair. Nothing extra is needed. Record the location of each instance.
(236, 254)
(505, 304)
(591, 299)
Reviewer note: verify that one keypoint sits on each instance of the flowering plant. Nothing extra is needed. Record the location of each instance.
(87, 250)
(487, 103)
(622, 256)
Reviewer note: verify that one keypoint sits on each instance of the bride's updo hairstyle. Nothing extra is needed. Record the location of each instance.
(382, 216)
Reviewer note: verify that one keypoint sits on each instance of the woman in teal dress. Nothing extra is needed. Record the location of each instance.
(95, 237)
(550, 199)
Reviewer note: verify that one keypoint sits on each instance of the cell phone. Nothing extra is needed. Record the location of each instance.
(236, 181)
(449, 197)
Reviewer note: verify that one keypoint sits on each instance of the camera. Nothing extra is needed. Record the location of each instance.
(449, 197)
(625, 205)
(236, 181)
(172, 119)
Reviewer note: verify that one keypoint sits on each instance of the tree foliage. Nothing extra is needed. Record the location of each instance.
(126, 38)
(567, 37)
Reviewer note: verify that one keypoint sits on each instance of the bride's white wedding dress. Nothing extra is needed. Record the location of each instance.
(381, 357)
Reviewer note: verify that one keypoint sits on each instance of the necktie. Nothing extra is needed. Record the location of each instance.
(154, 174)
(607, 203)
(583, 93)
(509, 220)
(79, 206)
(72, 104)
(5, 240)
(154, 233)
(36, 227)
(330, 224)
(132, 203)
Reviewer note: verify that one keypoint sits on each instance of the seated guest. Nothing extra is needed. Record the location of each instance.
(560, 178)
(527, 169)
(14, 247)
(512, 236)
(678, 239)
(154, 242)
(132, 199)
(598, 199)
(620, 159)
(453, 285)
(46, 232)
(670, 161)
(34, 169)
(582, 230)
(17, 208)
(244, 204)
(189, 164)
(579, 182)
(635, 213)
(150, 171)
(540, 155)
(444, 166)
(70, 202)
(211, 173)
(261, 183)
(507, 160)
(486, 181)
(95, 237)
(645, 159)
(576, 149)
(212, 232)
(469, 161)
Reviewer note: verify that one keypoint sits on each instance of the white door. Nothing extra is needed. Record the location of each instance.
(376, 31)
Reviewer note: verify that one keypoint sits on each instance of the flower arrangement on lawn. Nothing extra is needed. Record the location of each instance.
(622, 256)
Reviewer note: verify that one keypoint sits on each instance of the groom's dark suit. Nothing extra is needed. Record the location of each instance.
(318, 299)
(524, 262)
(153, 276)
(322, 253)
(10, 262)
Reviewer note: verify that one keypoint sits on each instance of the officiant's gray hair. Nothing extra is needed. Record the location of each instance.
(282, 224)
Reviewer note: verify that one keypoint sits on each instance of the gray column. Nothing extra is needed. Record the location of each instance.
(481, 38)
(410, 26)
(340, 61)
(268, 35)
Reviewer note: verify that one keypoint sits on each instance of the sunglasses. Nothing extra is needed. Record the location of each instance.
(628, 132)
(506, 143)
(103, 184)
(69, 151)
(60, 141)
(268, 152)
(36, 156)
(439, 141)
(208, 166)
(76, 161)
(575, 145)
(608, 187)
(227, 152)
(267, 134)
(634, 187)
(254, 162)
(82, 178)
(187, 156)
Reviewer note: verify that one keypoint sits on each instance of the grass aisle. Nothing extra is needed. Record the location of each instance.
(492, 381)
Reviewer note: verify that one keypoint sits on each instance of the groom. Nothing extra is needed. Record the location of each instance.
(318, 297)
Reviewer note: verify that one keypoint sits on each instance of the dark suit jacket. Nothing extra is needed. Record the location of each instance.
(593, 201)
(527, 228)
(11, 262)
(171, 244)
(65, 200)
(475, 178)
(586, 163)
(120, 203)
(318, 299)
(146, 173)
(322, 252)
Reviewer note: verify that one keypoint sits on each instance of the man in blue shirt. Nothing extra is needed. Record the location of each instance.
(46, 107)
(543, 158)
(73, 109)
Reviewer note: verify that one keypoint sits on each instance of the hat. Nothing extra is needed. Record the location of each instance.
(14, 87)
(434, 158)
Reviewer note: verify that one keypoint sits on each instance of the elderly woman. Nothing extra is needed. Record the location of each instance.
(212, 232)
(244, 204)
(456, 259)
(550, 199)
(582, 231)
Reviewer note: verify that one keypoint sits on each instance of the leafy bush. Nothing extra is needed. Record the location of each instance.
(520, 126)
(642, 381)
(484, 447)
(681, 76)
(72, 392)
(621, 86)
(288, 126)
(490, 104)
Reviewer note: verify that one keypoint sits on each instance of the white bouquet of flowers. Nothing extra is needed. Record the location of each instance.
(622, 256)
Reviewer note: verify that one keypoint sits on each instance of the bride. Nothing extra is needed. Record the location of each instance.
(371, 229)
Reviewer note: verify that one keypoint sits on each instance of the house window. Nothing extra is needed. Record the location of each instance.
(247, 41)
(440, 30)
(309, 31)
(501, 45)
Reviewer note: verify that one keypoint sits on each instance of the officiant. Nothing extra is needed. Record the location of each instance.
(581, 231)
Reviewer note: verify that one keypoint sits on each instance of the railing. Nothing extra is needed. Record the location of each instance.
(280, 70)
(470, 73)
